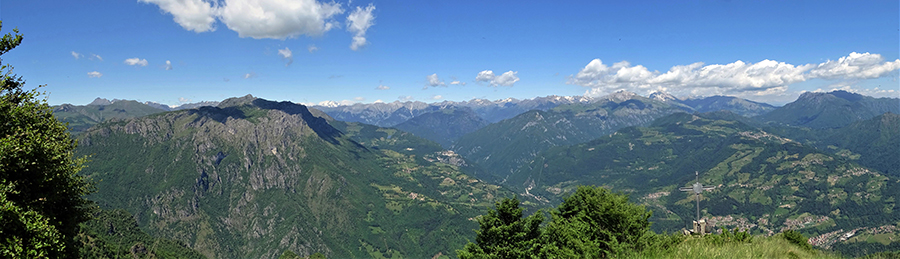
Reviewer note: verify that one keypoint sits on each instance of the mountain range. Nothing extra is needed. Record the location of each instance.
(256, 178)
(391, 114)
(501, 147)
(82, 117)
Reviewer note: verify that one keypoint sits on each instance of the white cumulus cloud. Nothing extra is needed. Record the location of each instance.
(279, 19)
(76, 55)
(382, 87)
(359, 98)
(192, 15)
(168, 65)
(437, 97)
(764, 78)
(258, 19)
(405, 98)
(855, 66)
(434, 81)
(249, 75)
(286, 55)
(506, 79)
(95, 57)
(94, 74)
(358, 22)
(312, 48)
(457, 83)
(136, 62)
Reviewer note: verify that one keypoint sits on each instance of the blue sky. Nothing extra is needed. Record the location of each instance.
(768, 51)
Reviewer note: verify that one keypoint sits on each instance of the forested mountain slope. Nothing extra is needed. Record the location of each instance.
(736, 105)
(444, 127)
(831, 110)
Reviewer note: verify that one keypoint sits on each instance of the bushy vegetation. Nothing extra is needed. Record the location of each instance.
(797, 238)
(504, 233)
(115, 234)
(591, 223)
(41, 194)
(596, 223)
(710, 246)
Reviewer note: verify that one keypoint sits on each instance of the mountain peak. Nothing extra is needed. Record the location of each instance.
(847, 95)
(332, 104)
(237, 101)
(507, 100)
(100, 101)
(817, 96)
(620, 96)
(663, 96)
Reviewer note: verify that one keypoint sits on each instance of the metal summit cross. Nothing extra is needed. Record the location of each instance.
(697, 188)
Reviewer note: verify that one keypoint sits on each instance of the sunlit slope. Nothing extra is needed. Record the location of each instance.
(253, 178)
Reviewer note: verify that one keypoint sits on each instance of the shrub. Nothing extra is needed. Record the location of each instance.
(797, 238)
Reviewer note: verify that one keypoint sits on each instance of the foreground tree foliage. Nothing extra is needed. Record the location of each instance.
(595, 223)
(505, 234)
(592, 223)
(41, 194)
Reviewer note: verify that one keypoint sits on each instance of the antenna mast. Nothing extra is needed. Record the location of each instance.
(697, 188)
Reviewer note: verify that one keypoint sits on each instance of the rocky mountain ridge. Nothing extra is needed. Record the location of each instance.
(252, 178)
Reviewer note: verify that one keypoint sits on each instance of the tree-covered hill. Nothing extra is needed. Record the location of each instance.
(763, 182)
(736, 105)
(253, 178)
(874, 142)
(831, 110)
(445, 126)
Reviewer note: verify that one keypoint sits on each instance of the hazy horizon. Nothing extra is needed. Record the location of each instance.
(176, 52)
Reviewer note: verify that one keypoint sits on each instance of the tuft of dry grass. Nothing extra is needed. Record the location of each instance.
(760, 247)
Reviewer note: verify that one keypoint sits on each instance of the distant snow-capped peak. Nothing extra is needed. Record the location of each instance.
(620, 96)
(329, 104)
(663, 96)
